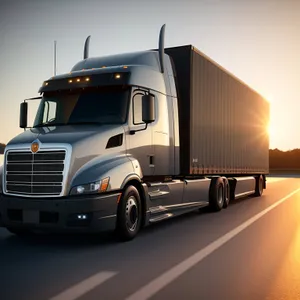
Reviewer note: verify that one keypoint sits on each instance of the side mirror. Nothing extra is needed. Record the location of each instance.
(23, 114)
(148, 109)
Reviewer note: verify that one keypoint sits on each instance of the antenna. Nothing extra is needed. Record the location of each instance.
(161, 47)
(54, 58)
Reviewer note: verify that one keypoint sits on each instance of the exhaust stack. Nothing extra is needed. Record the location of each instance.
(161, 47)
(86, 47)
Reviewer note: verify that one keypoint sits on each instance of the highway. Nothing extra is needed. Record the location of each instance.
(251, 250)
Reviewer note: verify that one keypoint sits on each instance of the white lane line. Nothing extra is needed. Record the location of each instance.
(84, 286)
(166, 278)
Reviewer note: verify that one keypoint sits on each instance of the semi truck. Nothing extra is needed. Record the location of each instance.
(127, 140)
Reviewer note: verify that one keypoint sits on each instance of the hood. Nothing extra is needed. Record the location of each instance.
(70, 134)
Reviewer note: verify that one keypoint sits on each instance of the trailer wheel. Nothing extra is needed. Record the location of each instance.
(259, 186)
(226, 193)
(129, 215)
(216, 194)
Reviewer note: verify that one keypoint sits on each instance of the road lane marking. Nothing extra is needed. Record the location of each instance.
(166, 278)
(275, 179)
(84, 286)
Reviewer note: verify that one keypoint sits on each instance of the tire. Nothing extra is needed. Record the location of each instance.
(259, 186)
(129, 215)
(20, 231)
(216, 194)
(226, 193)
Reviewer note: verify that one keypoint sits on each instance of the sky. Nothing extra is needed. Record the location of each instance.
(257, 41)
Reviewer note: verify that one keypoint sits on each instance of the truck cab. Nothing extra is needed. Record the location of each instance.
(107, 123)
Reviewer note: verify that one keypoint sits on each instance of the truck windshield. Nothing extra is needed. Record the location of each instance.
(93, 106)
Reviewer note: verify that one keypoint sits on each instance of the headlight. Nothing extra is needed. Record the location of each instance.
(91, 188)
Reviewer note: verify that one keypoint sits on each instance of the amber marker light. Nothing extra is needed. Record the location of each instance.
(119, 198)
(104, 184)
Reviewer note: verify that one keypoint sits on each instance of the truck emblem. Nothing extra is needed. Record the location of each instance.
(35, 146)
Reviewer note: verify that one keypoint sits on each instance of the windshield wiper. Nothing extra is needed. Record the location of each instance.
(85, 123)
(65, 124)
(50, 124)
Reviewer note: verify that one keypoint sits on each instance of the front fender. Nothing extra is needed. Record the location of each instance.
(117, 168)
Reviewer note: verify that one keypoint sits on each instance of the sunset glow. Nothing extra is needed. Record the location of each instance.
(253, 40)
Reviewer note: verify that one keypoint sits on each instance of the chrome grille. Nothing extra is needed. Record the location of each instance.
(38, 173)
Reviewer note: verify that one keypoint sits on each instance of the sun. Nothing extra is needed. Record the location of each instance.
(270, 130)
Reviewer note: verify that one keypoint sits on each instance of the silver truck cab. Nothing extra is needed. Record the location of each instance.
(98, 131)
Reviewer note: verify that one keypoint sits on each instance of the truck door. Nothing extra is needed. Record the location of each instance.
(140, 143)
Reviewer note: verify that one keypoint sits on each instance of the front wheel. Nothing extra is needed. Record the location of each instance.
(129, 216)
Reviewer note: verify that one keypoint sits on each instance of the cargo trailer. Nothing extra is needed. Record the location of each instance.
(124, 141)
(222, 121)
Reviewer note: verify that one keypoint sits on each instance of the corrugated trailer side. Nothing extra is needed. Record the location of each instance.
(225, 120)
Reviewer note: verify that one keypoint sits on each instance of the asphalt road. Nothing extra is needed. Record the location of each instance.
(251, 250)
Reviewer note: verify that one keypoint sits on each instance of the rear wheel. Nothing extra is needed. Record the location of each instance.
(216, 194)
(226, 193)
(259, 186)
(129, 217)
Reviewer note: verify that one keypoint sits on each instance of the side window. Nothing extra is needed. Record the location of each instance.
(50, 111)
(137, 109)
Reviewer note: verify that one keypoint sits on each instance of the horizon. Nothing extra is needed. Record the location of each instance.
(256, 42)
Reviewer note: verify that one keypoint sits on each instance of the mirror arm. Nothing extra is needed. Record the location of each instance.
(132, 132)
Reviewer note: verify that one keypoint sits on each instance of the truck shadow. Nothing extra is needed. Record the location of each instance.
(63, 240)
(105, 239)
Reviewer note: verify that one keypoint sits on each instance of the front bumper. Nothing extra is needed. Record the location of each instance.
(60, 214)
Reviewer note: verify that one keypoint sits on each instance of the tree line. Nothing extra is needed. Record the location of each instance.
(284, 159)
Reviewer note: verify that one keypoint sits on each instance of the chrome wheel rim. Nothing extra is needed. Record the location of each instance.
(132, 216)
